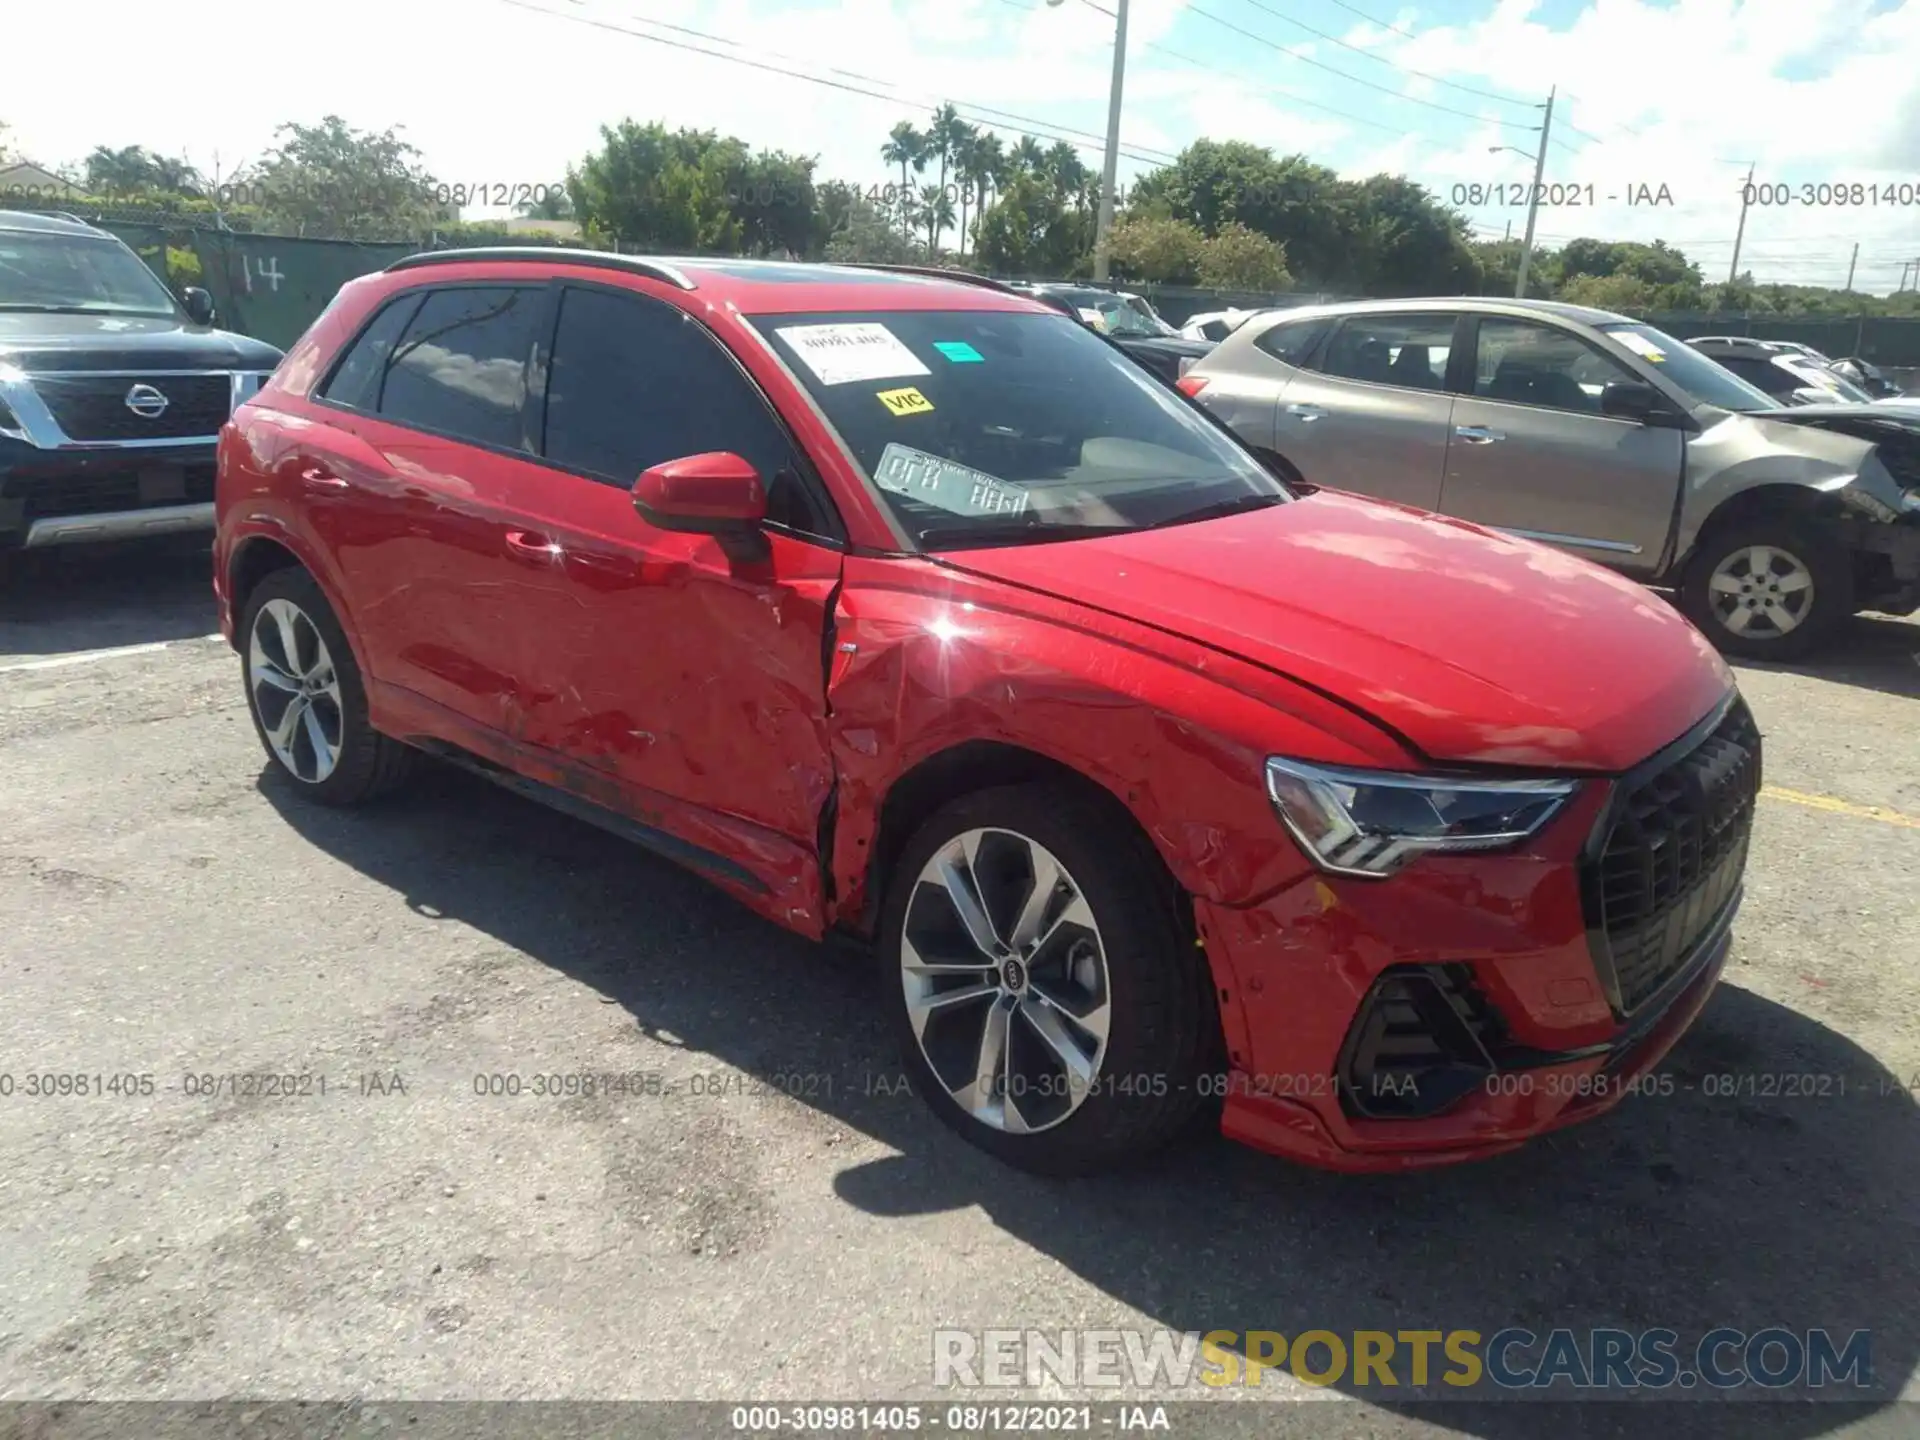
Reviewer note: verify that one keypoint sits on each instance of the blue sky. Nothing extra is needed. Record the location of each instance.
(1675, 93)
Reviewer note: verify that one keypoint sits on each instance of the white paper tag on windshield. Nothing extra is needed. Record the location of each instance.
(1640, 345)
(842, 354)
(945, 484)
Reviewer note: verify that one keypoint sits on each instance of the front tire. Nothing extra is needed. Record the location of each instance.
(1771, 588)
(307, 698)
(1050, 1005)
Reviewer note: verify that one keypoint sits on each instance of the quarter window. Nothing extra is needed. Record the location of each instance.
(1406, 350)
(356, 380)
(1292, 340)
(1522, 363)
(460, 368)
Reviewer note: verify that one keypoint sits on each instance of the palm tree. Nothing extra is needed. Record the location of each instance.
(989, 169)
(943, 138)
(1028, 156)
(936, 212)
(966, 173)
(905, 147)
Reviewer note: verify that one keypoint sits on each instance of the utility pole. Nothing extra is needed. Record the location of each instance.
(1110, 170)
(1746, 192)
(1533, 198)
(1851, 264)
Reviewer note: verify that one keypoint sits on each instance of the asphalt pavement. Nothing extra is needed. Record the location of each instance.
(763, 1212)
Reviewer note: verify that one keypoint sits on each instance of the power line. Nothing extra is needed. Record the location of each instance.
(871, 80)
(1273, 44)
(1259, 80)
(1046, 132)
(1404, 69)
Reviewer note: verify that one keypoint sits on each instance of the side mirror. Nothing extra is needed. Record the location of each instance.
(198, 305)
(1629, 400)
(716, 493)
(1814, 395)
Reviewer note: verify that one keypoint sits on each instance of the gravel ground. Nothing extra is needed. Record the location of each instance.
(167, 909)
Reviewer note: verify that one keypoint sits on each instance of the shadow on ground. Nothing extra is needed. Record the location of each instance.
(1874, 652)
(91, 597)
(1688, 1212)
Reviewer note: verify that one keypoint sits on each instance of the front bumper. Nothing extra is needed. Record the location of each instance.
(1471, 1003)
(106, 492)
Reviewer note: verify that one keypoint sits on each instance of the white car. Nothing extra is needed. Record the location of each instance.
(1216, 324)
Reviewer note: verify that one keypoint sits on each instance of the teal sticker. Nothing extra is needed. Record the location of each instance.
(959, 352)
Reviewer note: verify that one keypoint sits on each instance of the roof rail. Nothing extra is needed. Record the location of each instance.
(963, 277)
(553, 255)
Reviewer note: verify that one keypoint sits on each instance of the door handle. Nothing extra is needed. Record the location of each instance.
(526, 546)
(314, 478)
(1308, 413)
(1478, 434)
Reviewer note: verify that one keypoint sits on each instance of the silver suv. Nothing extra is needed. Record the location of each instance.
(1590, 431)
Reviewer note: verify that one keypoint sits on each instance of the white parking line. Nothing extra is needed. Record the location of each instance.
(87, 657)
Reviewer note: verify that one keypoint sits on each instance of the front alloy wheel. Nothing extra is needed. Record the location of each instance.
(1042, 977)
(1005, 980)
(295, 691)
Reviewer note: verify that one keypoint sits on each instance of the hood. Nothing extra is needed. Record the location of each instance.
(1476, 647)
(34, 340)
(1175, 345)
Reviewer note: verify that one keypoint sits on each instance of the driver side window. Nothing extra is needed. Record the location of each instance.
(1523, 363)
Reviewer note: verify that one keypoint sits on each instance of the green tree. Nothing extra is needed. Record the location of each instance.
(773, 198)
(671, 189)
(132, 170)
(332, 180)
(1029, 156)
(1399, 241)
(907, 148)
(555, 204)
(862, 231)
(990, 170)
(1148, 247)
(1240, 258)
(1628, 294)
(1029, 230)
(966, 160)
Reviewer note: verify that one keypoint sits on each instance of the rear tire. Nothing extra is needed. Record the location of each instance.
(307, 698)
(1771, 588)
(1070, 1036)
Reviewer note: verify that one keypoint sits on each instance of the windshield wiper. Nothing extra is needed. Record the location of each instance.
(1002, 533)
(1232, 505)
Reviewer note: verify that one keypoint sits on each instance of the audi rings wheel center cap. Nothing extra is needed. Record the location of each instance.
(1013, 975)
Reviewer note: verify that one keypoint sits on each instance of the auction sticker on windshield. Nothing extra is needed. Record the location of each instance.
(907, 401)
(1640, 345)
(842, 354)
(946, 484)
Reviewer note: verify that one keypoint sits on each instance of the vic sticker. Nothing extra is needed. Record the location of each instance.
(905, 402)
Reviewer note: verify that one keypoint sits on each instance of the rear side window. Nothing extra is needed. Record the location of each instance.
(460, 367)
(634, 382)
(1294, 340)
(356, 381)
(1406, 350)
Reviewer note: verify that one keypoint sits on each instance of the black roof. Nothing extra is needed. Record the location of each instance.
(36, 223)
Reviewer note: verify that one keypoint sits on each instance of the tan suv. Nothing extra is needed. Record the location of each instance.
(1592, 432)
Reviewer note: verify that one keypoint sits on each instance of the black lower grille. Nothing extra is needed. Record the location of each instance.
(1424, 1037)
(94, 407)
(1671, 852)
(99, 491)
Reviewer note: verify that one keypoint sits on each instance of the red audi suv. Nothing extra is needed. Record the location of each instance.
(899, 604)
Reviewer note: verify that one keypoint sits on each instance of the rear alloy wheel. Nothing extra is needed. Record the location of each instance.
(1047, 1004)
(308, 702)
(1767, 590)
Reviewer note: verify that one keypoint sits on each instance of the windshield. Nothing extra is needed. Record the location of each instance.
(992, 428)
(1707, 381)
(67, 272)
(1114, 314)
(1824, 377)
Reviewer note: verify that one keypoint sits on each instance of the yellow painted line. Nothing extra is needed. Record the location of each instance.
(1840, 807)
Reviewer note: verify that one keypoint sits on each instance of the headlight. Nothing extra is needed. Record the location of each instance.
(1372, 822)
(1910, 497)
